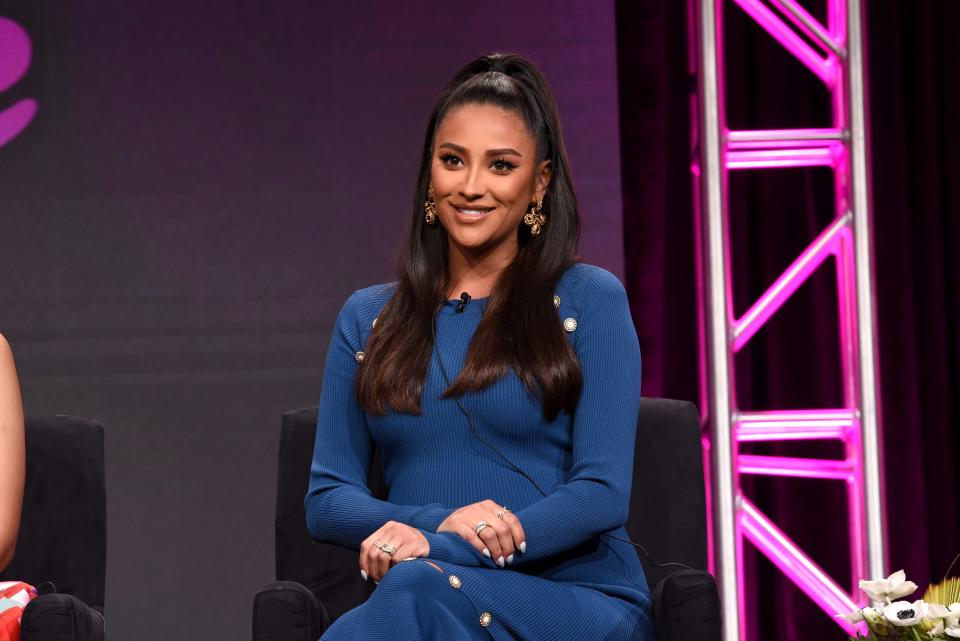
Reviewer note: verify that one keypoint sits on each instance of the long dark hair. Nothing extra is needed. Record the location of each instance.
(520, 328)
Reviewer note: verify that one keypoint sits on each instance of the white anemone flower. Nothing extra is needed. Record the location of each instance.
(933, 619)
(893, 587)
(854, 617)
(954, 630)
(863, 614)
(952, 620)
(904, 613)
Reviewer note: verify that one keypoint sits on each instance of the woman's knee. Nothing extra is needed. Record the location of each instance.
(414, 575)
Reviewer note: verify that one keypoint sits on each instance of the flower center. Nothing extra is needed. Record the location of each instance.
(905, 614)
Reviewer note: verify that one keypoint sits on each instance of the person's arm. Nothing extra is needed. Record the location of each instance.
(596, 496)
(453, 548)
(12, 455)
(338, 504)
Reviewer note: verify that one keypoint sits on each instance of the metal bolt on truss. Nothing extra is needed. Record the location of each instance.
(834, 53)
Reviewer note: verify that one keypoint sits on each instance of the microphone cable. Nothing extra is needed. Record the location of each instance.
(464, 300)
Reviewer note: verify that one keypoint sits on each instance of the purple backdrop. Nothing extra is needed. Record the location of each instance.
(202, 186)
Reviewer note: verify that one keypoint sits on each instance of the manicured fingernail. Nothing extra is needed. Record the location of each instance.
(500, 561)
(376, 583)
(487, 552)
(363, 573)
(523, 547)
(510, 560)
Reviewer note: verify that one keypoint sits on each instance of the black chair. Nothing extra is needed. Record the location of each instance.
(62, 540)
(317, 582)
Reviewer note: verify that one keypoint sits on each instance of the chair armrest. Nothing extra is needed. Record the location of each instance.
(686, 607)
(287, 611)
(60, 617)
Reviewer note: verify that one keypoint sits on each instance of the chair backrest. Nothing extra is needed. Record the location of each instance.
(329, 571)
(63, 527)
(667, 514)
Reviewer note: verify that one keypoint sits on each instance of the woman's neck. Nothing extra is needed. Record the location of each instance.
(476, 273)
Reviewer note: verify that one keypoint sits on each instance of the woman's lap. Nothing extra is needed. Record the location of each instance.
(414, 602)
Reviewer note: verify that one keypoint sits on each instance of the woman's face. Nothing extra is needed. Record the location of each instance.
(484, 178)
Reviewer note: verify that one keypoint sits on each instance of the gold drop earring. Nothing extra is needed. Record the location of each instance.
(430, 208)
(535, 217)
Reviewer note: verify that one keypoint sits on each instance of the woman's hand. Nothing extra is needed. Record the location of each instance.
(499, 541)
(409, 542)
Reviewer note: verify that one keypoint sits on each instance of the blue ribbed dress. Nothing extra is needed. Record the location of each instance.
(571, 583)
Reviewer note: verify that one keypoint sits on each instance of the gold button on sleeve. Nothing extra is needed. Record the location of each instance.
(455, 581)
(485, 619)
(359, 357)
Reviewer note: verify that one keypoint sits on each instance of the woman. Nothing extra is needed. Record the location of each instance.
(14, 595)
(497, 371)
(11, 455)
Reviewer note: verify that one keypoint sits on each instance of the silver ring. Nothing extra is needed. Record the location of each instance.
(502, 512)
(385, 547)
(479, 527)
(409, 558)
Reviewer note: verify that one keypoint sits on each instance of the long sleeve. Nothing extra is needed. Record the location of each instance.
(596, 496)
(338, 504)
(451, 547)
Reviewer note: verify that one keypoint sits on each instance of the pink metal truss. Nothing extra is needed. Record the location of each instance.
(834, 53)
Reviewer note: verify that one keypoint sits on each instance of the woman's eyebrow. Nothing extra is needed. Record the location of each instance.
(506, 151)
